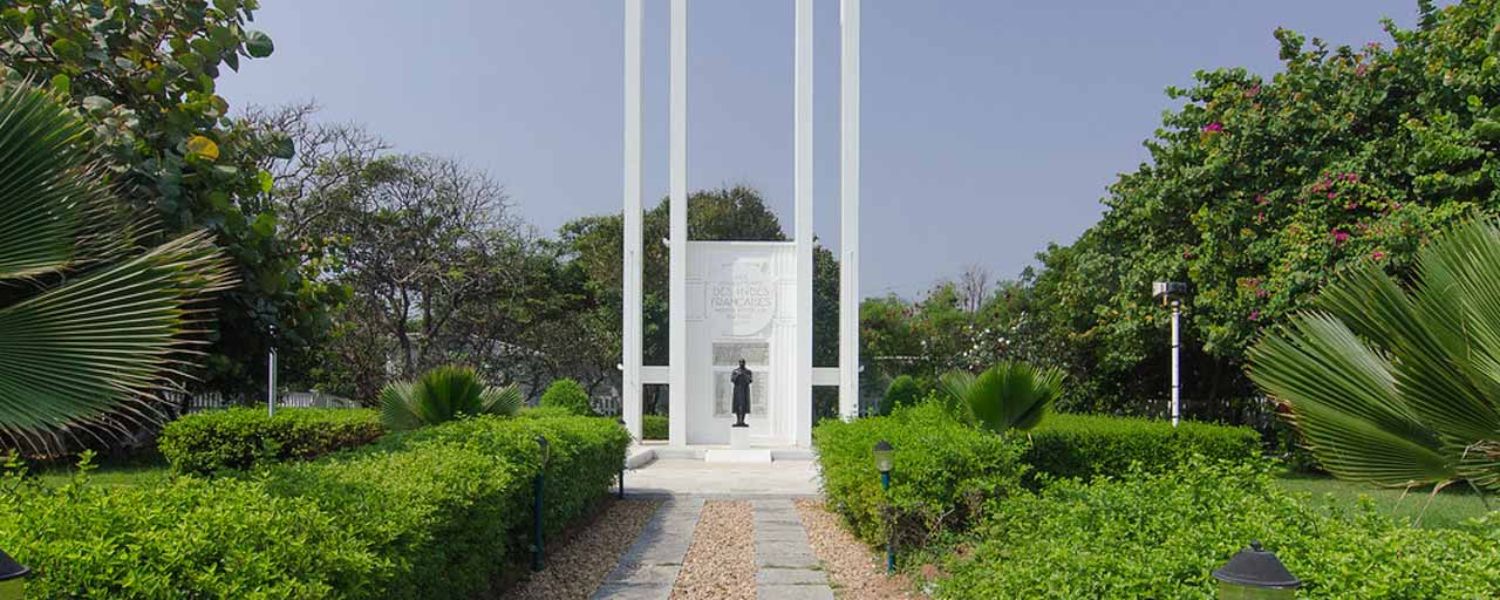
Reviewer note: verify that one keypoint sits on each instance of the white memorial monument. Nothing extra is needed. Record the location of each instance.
(750, 301)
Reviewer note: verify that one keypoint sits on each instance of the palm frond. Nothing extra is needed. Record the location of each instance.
(444, 394)
(80, 353)
(54, 212)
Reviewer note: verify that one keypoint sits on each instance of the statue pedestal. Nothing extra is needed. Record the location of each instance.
(739, 438)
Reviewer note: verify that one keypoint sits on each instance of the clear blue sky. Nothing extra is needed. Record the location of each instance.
(991, 127)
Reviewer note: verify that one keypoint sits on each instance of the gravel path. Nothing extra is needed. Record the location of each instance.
(720, 563)
(575, 569)
(855, 570)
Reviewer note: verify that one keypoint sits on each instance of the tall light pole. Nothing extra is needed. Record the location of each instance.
(1170, 293)
(271, 375)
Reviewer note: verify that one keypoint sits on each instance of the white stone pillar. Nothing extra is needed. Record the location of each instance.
(632, 344)
(677, 163)
(849, 209)
(803, 193)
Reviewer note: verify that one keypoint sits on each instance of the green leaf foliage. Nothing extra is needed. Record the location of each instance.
(1009, 395)
(1262, 188)
(944, 472)
(654, 427)
(240, 438)
(1091, 446)
(439, 512)
(143, 78)
(568, 395)
(902, 392)
(444, 394)
(92, 325)
(1162, 535)
(1397, 383)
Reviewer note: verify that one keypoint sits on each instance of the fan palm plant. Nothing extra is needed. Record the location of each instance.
(444, 394)
(1399, 384)
(92, 326)
(1009, 395)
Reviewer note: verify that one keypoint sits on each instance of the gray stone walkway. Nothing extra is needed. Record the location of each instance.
(650, 565)
(786, 565)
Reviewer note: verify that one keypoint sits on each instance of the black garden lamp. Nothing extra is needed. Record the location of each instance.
(12, 578)
(536, 506)
(883, 460)
(1256, 574)
(622, 465)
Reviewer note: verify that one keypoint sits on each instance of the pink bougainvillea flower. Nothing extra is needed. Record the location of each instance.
(1253, 91)
(1340, 236)
(1377, 255)
(1214, 127)
(1255, 315)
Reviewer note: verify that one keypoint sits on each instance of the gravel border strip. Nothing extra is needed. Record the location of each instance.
(577, 567)
(720, 563)
(853, 568)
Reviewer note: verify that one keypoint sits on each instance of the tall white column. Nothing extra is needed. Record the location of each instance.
(849, 209)
(677, 159)
(803, 192)
(631, 352)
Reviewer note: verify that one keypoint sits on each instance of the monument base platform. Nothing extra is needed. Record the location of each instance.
(737, 456)
(739, 438)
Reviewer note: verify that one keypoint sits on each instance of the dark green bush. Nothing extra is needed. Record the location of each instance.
(238, 438)
(944, 473)
(569, 394)
(654, 427)
(1086, 446)
(438, 512)
(1162, 535)
(902, 392)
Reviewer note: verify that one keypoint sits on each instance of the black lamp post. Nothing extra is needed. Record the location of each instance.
(883, 464)
(1254, 574)
(622, 468)
(536, 508)
(12, 578)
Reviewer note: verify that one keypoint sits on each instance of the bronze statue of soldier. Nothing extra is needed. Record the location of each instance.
(741, 379)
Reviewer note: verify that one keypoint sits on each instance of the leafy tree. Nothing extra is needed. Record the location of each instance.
(142, 75)
(92, 323)
(569, 395)
(1395, 384)
(1259, 190)
(444, 394)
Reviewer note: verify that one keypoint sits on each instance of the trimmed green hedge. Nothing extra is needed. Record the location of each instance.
(1162, 535)
(238, 438)
(1086, 446)
(654, 427)
(439, 512)
(944, 472)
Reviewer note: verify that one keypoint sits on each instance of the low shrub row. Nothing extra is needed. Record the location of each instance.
(1087, 446)
(438, 512)
(654, 427)
(944, 472)
(238, 438)
(1161, 535)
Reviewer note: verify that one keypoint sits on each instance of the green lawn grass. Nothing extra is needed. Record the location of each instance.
(1450, 508)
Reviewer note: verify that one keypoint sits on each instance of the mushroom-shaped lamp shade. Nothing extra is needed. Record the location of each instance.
(541, 441)
(1255, 573)
(883, 456)
(12, 577)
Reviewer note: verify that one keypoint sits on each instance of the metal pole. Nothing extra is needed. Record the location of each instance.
(890, 536)
(1176, 383)
(271, 383)
(622, 482)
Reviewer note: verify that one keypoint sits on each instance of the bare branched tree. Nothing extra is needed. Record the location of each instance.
(974, 288)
